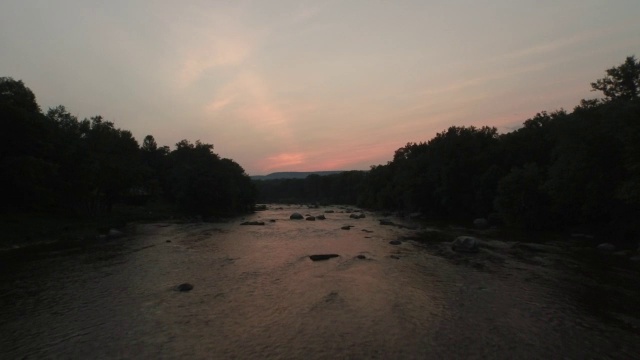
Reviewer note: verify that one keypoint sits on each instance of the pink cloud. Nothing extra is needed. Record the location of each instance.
(284, 160)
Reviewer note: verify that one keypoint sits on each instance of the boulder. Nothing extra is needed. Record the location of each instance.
(465, 244)
(361, 257)
(329, 211)
(354, 216)
(480, 223)
(320, 257)
(296, 216)
(346, 227)
(311, 218)
(320, 217)
(607, 247)
(395, 242)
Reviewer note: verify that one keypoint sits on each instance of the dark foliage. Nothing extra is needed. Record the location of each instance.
(54, 162)
(559, 170)
(341, 188)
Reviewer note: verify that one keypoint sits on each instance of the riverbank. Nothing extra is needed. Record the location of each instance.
(604, 281)
(25, 233)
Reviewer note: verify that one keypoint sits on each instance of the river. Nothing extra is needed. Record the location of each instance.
(258, 295)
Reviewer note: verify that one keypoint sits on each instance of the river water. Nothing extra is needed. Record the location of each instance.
(258, 295)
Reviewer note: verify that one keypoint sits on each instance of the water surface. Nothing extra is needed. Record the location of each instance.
(258, 295)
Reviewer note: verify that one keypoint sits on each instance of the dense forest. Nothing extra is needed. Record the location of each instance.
(55, 163)
(561, 169)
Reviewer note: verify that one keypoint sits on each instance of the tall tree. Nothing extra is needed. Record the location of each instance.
(15, 93)
(622, 82)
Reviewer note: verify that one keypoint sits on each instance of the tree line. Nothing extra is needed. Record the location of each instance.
(560, 169)
(52, 162)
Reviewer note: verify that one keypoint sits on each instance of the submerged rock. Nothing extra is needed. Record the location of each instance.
(346, 227)
(184, 287)
(311, 218)
(465, 244)
(386, 222)
(361, 257)
(320, 217)
(329, 211)
(252, 223)
(113, 234)
(606, 247)
(296, 216)
(480, 223)
(319, 257)
(395, 242)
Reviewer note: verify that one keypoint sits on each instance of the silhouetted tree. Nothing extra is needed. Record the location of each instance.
(622, 82)
(15, 93)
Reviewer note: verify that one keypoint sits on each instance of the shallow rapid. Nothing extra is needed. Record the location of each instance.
(257, 294)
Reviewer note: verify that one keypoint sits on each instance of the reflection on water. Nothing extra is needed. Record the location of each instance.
(257, 294)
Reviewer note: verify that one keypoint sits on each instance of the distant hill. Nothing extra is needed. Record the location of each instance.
(292, 175)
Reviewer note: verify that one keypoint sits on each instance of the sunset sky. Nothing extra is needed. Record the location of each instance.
(312, 85)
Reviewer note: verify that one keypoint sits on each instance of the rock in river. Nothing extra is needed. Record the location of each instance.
(252, 223)
(480, 223)
(395, 242)
(607, 247)
(319, 257)
(465, 244)
(296, 216)
(114, 234)
(184, 287)
(311, 218)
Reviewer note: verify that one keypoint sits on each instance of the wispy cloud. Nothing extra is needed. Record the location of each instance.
(215, 52)
(218, 104)
(284, 160)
